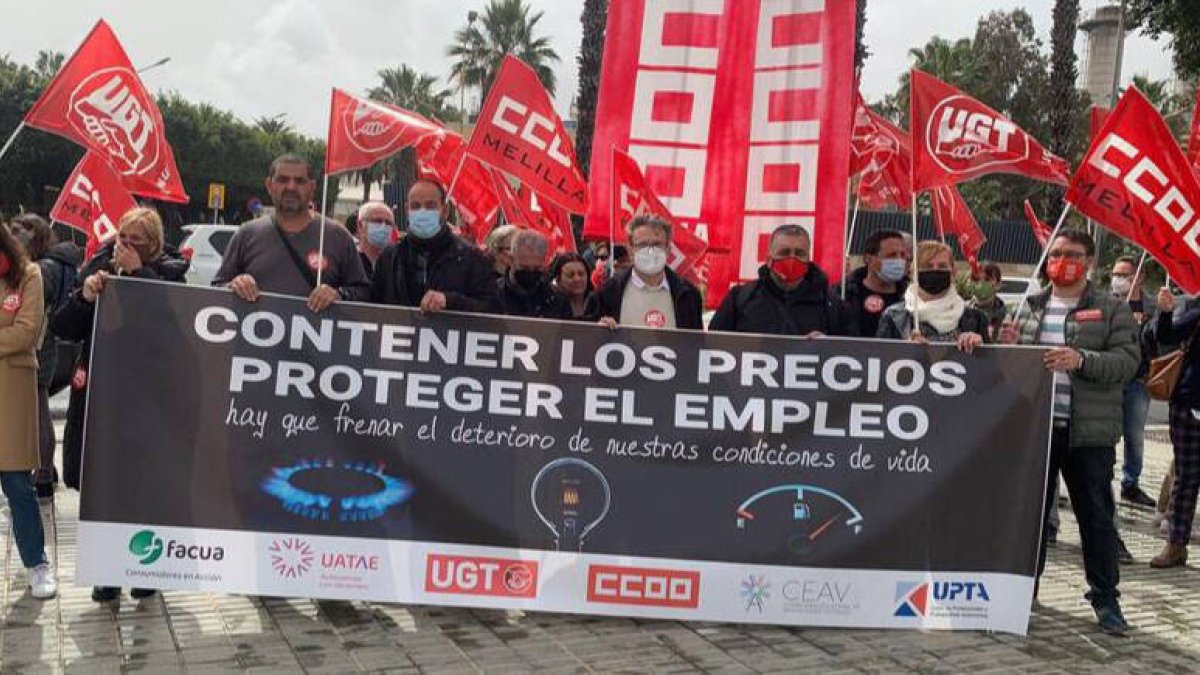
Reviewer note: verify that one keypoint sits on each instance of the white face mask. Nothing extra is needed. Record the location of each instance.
(650, 260)
(1121, 285)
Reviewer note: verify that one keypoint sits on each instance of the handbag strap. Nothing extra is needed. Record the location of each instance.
(296, 259)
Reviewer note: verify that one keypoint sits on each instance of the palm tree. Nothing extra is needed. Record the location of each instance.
(591, 51)
(275, 125)
(505, 27)
(411, 90)
(1064, 113)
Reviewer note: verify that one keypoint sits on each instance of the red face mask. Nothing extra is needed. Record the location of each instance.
(1065, 271)
(790, 270)
(5, 264)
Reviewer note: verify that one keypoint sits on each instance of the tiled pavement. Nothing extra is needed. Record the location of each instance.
(196, 632)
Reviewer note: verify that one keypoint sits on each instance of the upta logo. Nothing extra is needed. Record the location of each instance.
(913, 599)
(148, 548)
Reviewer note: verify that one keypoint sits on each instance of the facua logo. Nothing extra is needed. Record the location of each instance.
(106, 108)
(912, 599)
(481, 576)
(291, 557)
(755, 591)
(643, 586)
(962, 135)
(146, 547)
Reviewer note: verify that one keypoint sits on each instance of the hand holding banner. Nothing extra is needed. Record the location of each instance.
(1136, 181)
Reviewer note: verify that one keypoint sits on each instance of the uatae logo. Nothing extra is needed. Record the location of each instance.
(370, 128)
(108, 108)
(963, 135)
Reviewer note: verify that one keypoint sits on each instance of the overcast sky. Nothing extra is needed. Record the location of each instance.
(266, 57)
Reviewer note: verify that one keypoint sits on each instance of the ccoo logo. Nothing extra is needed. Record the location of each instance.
(146, 547)
(964, 135)
(108, 107)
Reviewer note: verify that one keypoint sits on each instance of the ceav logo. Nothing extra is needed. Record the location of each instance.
(755, 591)
(466, 575)
(653, 587)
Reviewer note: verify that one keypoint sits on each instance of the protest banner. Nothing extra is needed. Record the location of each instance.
(380, 453)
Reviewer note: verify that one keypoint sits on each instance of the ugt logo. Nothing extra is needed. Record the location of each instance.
(108, 108)
(146, 547)
(963, 135)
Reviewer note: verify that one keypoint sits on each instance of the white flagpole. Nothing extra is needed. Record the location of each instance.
(1041, 261)
(321, 236)
(850, 240)
(13, 137)
(1136, 274)
(454, 178)
(917, 305)
(612, 216)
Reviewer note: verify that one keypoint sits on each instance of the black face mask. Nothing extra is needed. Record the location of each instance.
(934, 282)
(527, 279)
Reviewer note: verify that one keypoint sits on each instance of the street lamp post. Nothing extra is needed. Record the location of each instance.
(462, 83)
(161, 62)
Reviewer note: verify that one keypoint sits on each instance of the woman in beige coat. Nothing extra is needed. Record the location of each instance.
(22, 322)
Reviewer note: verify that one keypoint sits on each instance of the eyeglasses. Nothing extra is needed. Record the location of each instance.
(638, 246)
(1069, 255)
(286, 180)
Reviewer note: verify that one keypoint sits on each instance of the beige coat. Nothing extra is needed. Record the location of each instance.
(22, 315)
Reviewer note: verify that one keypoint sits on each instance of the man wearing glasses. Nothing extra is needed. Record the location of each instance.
(1093, 353)
(790, 297)
(279, 253)
(650, 294)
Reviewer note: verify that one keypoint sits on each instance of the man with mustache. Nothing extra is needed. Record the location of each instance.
(280, 253)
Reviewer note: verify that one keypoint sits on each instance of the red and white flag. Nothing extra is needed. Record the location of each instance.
(519, 133)
(474, 195)
(863, 136)
(517, 212)
(363, 132)
(888, 175)
(632, 197)
(1097, 114)
(98, 101)
(956, 139)
(1193, 146)
(93, 201)
(556, 219)
(1041, 231)
(740, 115)
(952, 216)
(1136, 181)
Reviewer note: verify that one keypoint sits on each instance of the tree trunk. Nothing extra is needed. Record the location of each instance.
(591, 52)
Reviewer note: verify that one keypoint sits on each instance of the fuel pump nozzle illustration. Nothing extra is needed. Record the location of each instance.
(571, 497)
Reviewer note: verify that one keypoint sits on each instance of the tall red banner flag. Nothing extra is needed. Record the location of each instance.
(93, 201)
(98, 101)
(362, 132)
(519, 133)
(957, 139)
(1136, 181)
(633, 197)
(554, 217)
(1041, 231)
(740, 113)
(887, 177)
(474, 195)
(952, 216)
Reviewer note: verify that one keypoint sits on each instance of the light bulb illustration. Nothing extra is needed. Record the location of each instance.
(571, 497)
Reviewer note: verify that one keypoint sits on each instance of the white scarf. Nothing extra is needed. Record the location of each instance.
(942, 313)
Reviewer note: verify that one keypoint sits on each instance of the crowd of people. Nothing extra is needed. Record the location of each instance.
(1098, 340)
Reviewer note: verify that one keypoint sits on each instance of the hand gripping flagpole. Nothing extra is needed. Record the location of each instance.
(9, 142)
(1042, 261)
(321, 236)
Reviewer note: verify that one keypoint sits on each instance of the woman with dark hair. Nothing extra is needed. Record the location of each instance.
(22, 321)
(59, 263)
(139, 251)
(572, 276)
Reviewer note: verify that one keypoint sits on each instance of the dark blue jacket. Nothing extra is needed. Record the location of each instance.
(1178, 327)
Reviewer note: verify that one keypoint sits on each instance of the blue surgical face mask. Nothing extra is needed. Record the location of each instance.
(379, 233)
(424, 223)
(892, 270)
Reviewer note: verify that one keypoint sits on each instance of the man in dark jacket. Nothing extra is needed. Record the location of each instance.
(880, 282)
(431, 268)
(1093, 353)
(791, 296)
(525, 289)
(650, 294)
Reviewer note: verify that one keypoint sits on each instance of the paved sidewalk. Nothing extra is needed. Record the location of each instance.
(196, 632)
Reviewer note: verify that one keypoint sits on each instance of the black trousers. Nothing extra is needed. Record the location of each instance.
(1088, 473)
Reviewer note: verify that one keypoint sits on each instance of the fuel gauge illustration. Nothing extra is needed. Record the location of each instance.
(571, 497)
(805, 516)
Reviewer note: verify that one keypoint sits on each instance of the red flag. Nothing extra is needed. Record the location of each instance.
(362, 132)
(863, 136)
(1097, 114)
(93, 201)
(957, 138)
(888, 175)
(517, 212)
(952, 216)
(438, 157)
(1193, 147)
(633, 197)
(1041, 231)
(1136, 181)
(519, 133)
(556, 219)
(97, 101)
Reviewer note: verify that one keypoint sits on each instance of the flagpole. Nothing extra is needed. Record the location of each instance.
(1042, 260)
(917, 303)
(454, 179)
(849, 239)
(612, 214)
(13, 137)
(1136, 274)
(321, 236)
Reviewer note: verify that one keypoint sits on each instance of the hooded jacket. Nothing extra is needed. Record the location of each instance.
(763, 306)
(59, 267)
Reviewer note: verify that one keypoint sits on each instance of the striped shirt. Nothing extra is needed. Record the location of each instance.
(1053, 333)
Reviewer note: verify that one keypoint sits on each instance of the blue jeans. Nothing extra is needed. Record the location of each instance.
(1135, 408)
(26, 518)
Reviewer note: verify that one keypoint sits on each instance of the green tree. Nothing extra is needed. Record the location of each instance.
(1178, 19)
(273, 125)
(591, 52)
(505, 27)
(1063, 75)
(860, 47)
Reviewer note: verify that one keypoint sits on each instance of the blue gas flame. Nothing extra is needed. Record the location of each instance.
(325, 507)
